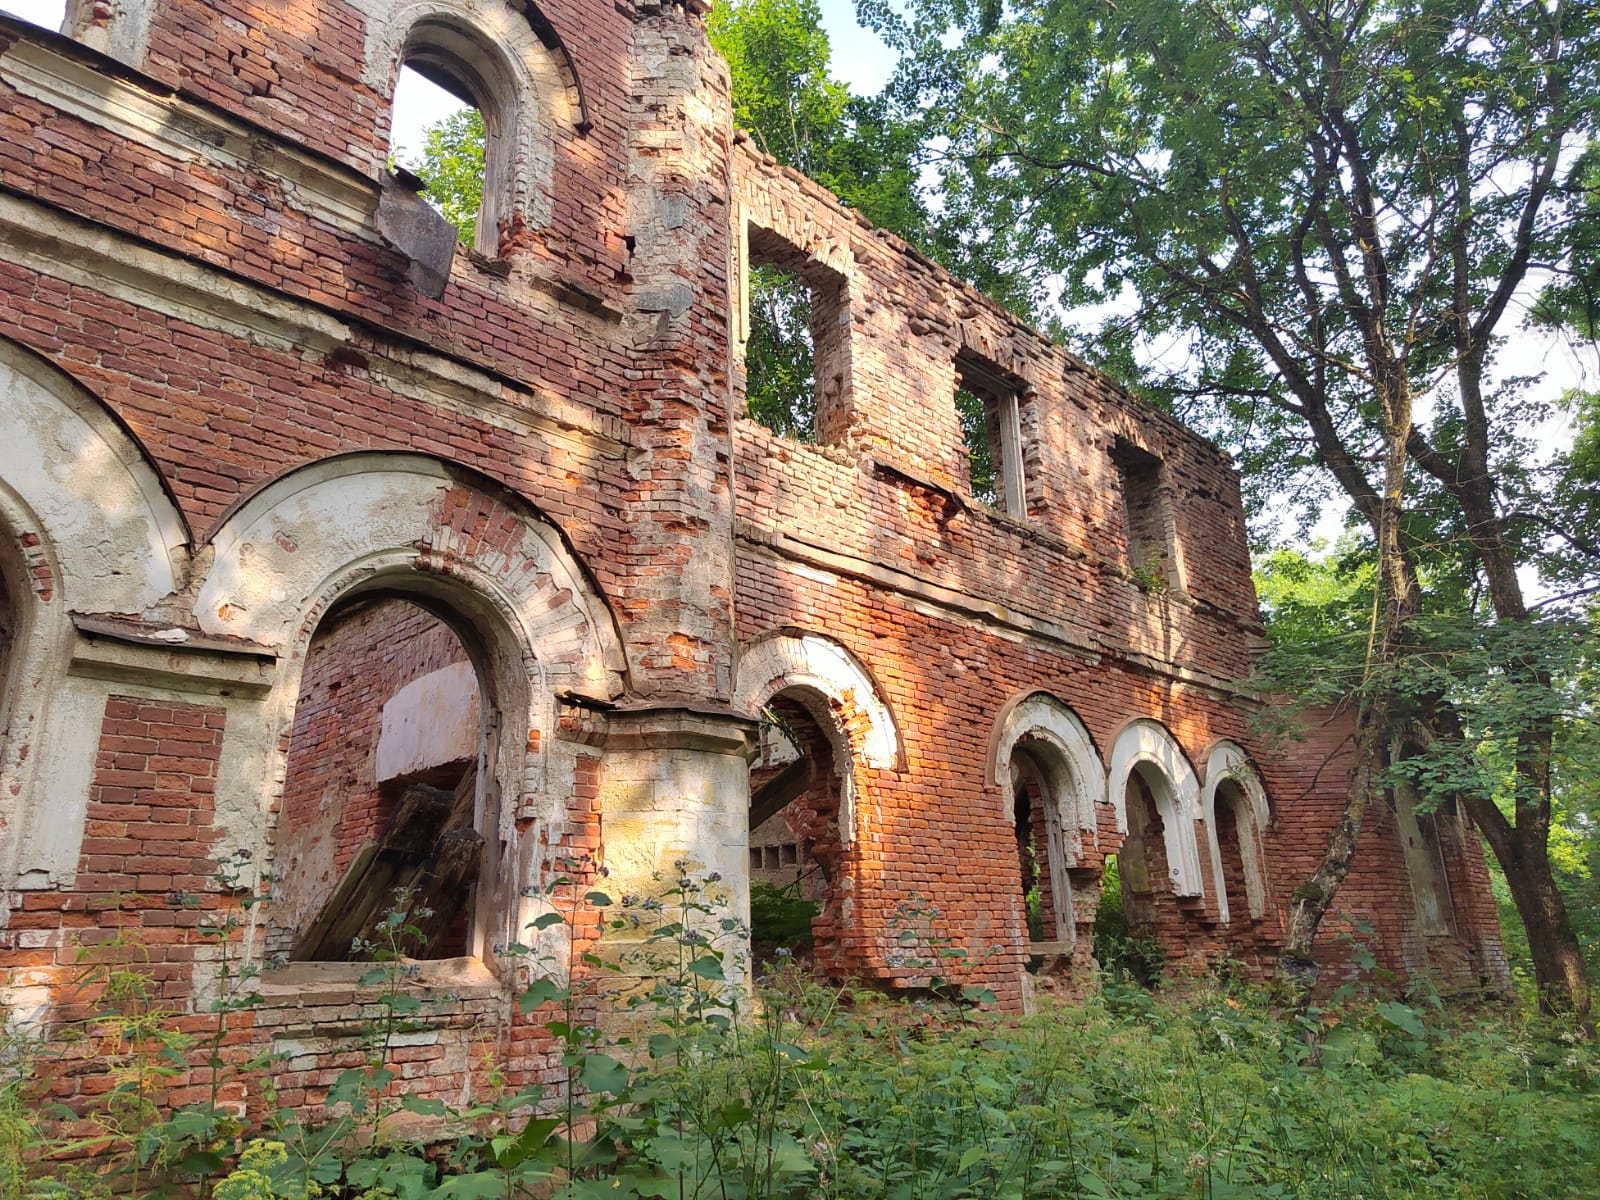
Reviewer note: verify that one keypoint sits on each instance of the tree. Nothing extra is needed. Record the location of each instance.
(451, 167)
(1332, 209)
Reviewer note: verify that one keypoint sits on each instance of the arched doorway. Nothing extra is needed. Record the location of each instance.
(383, 803)
(825, 731)
(797, 794)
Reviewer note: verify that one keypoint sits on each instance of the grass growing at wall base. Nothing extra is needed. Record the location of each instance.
(827, 1091)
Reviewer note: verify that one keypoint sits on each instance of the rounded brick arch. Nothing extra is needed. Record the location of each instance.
(781, 661)
(75, 477)
(1226, 761)
(412, 526)
(524, 84)
(308, 539)
(1145, 742)
(87, 527)
(1039, 716)
(817, 666)
(1061, 745)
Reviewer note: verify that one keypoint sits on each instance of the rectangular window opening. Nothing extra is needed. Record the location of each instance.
(796, 341)
(991, 430)
(1144, 507)
(779, 360)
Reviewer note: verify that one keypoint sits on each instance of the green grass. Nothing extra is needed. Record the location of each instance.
(1208, 1093)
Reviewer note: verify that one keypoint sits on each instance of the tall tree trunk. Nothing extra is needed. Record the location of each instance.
(1398, 600)
(1560, 973)
(1522, 845)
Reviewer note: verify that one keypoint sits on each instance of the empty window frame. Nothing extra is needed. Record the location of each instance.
(448, 129)
(1146, 512)
(796, 340)
(988, 405)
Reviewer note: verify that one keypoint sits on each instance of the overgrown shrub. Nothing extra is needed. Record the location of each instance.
(833, 1092)
(780, 920)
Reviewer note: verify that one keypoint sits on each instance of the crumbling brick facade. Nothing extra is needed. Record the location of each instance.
(249, 411)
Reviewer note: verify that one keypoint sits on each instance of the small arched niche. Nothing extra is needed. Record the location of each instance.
(389, 785)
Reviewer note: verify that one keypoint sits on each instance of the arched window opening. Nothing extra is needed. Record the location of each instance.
(384, 797)
(1143, 859)
(16, 606)
(10, 634)
(447, 129)
(1028, 795)
(8, 627)
(1235, 828)
(1425, 863)
(1042, 790)
(797, 791)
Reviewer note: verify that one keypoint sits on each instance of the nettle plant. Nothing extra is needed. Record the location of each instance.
(690, 1103)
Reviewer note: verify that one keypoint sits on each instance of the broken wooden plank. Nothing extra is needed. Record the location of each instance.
(770, 798)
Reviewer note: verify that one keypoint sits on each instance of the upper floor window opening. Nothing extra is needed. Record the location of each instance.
(795, 352)
(450, 126)
(991, 430)
(1147, 514)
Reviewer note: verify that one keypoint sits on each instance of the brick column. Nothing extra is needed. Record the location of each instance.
(678, 605)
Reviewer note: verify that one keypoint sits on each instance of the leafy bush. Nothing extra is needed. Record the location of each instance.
(780, 919)
(1125, 955)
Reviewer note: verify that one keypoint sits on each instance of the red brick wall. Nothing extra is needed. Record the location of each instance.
(269, 332)
(144, 885)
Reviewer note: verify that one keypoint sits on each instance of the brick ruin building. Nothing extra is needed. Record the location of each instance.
(311, 520)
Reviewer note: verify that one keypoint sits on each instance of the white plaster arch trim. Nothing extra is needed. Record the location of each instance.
(102, 536)
(408, 525)
(120, 543)
(1176, 788)
(1041, 717)
(1074, 781)
(783, 661)
(528, 92)
(281, 552)
(1227, 760)
(810, 662)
